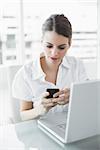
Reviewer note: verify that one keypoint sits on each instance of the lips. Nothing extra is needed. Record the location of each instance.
(53, 58)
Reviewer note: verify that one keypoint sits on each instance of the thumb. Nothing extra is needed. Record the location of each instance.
(44, 95)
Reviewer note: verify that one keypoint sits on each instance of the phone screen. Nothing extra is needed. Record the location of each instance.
(52, 92)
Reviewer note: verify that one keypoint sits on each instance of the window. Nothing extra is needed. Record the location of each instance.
(10, 41)
(26, 17)
(9, 32)
(84, 43)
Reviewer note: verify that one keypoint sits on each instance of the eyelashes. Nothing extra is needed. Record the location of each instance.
(49, 46)
(60, 48)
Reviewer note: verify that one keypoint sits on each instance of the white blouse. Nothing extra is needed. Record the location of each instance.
(29, 82)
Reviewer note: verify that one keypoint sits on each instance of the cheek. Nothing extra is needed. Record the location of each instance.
(45, 48)
(47, 51)
(63, 54)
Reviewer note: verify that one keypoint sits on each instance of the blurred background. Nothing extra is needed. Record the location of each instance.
(20, 38)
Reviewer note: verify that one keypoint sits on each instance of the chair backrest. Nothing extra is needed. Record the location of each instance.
(15, 107)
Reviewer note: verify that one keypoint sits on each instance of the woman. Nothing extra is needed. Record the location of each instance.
(53, 69)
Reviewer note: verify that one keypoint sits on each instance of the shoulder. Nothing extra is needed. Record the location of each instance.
(25, 70)
(29, 70)
(72, 61)
(76, 65)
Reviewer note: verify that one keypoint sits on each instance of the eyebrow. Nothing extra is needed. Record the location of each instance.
(58, 45)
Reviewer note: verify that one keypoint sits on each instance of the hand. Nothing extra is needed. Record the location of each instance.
(47, 102)
(61, 97)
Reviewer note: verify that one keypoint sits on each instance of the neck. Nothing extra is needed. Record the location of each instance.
(47, 66)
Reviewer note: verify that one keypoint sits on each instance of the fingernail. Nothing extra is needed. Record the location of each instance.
(54, 95)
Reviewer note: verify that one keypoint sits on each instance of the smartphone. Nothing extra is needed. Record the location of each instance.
(51, 92)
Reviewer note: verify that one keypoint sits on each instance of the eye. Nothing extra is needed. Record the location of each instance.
(61, 48)
(49, 46)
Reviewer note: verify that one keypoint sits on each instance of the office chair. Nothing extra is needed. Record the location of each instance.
(15, 107)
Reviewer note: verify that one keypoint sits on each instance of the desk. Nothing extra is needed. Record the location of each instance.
(27, 136)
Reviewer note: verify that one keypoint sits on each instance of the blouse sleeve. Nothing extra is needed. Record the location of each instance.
(20, 87)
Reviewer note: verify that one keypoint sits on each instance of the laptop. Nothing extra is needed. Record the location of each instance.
(80, 121)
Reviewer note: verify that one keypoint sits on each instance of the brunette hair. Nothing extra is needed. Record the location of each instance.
(60, 24)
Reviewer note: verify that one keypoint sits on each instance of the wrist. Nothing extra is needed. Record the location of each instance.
(40, 108)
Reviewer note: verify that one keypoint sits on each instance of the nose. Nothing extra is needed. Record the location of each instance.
(54, 51)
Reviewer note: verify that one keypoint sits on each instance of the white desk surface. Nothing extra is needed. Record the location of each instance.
(27, 136)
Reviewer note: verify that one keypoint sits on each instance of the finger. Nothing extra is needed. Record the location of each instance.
(56, 100)
(49, 105)
(45, 94)
(57, 94)
(64, 95)
(62, 98)
(63, 102)
(46, 100)
(65, 91)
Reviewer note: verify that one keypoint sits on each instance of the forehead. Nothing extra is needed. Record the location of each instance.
(54, 38)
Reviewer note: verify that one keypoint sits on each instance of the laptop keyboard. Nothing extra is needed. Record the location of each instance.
(62, 126)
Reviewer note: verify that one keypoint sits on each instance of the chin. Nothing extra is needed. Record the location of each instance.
(54, 61)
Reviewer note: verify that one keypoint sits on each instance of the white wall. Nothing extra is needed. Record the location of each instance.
(3, 77)
(91, 69)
